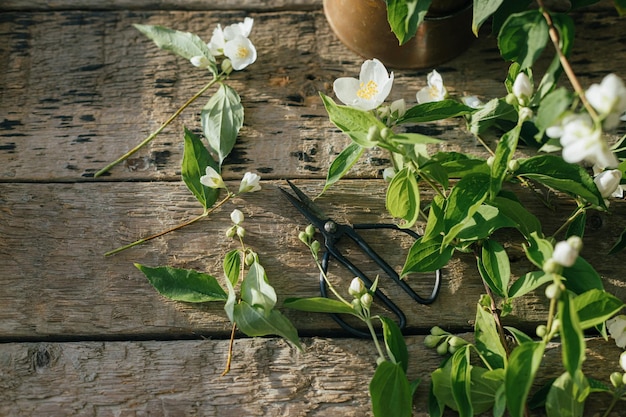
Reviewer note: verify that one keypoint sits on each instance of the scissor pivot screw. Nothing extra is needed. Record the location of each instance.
(330, 227)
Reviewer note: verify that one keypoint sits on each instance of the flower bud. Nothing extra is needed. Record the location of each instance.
(227, 66)
(550, 266)
(608, 181)
(456, 341)
(617, 329)
(236, 216)
(231, 232)
(432, 341)
(541, 330)
(373, 134)
(442, 349)
(513, 165)
(356, 305)
(366, 300)
(522, 88)
(241, 232)
(575, 242)
(564, 254)
(388, 173)
(490, 161)
(438, 331)
(303, 238)
(511, 99)
(525, 114)
(622, 360)
(385, 132)
(357, 288)
(553, 291)
(310, 230)
(379, 360)
(249, 258)
(617, 379)
(315, 246)
(556, 325)
(398, 108)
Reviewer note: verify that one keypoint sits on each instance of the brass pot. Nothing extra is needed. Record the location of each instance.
(362, 26)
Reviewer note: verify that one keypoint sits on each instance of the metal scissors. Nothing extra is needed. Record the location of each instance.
(332, 233)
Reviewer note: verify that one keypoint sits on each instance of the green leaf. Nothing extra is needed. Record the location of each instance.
(566, 397)
(522, 37)
(196, 158)
(184, 44)
(551, 107)
(342, 164)
(577, 226)
(403, 197)
(458, 168)
(596, 306)
(183, 284)
(494, 267)
(413, 139)
(565, 27)
(255, 289)
(484, 386)
(436, 110)
(461, 381)
(620, 244)
(394, 343)
(232, 266)
(254, 322)
(405, 16)
(572, 338)
(427, 256)
(582, 277)
(528, 282)
(526, 222)
(488, 340)
(464, 199)
(390, 391)
(353, 122)
(319, 305)
(222, 118)
(492, 113)
(620, 6)
(555, 173)
(435, 226)
(539, 249)
(504, 153)
(520, 337)
(520, 374)
(482, 10)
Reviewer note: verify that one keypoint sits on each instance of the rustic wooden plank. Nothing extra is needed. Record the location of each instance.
(57, 284)
(250, 5)
(268, 377)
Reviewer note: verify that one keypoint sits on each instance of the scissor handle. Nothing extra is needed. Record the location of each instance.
(357, 273)
(350, 232)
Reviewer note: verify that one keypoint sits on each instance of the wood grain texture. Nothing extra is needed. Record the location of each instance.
(182, 378)
(58, 284)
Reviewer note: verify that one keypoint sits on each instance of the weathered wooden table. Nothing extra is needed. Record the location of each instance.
(85, 335)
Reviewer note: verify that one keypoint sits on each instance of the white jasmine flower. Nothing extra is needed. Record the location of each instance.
(200, 61)
(617, 329)
(472, 101)
(212, 179)
(435, 91)
(357, 287)
(622, 361)
(608, 183)
(222, 36)
(249, 183)
(609, 99)
(522, 88)
(566, 252)
(369, 91)
(236, 216)
(240, 51)
(581, 140)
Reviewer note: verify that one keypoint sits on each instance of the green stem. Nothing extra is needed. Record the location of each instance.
(570, 219)
(180, 226)
(330, 285)
(163, 126)
(368, 322)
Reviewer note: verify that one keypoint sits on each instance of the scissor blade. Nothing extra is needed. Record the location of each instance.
(305, 205)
